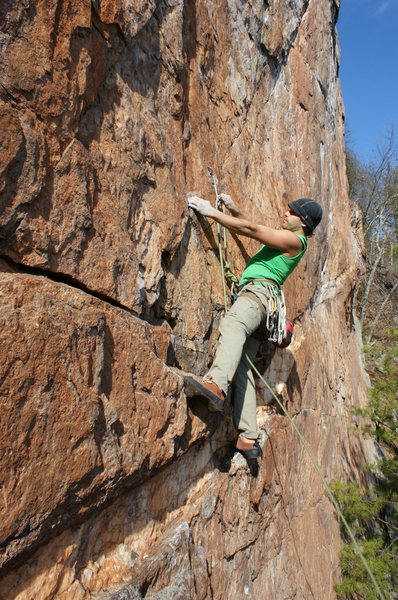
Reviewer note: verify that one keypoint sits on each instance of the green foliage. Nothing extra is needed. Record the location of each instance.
(382, 413)
(356, 506)
(365, 512)
(356, 582)
(373, 513)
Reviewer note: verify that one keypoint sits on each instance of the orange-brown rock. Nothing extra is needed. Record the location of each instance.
(87, 406)
(112, 485)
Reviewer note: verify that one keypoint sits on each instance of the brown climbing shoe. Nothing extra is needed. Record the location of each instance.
(205, 389)
(214, 389)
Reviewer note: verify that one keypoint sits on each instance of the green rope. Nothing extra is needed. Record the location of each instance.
(226, 271)
(221, 232)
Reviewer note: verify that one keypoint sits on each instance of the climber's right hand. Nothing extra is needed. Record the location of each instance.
(203, 207)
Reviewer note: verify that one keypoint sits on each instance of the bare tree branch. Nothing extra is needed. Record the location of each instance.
(380, 312)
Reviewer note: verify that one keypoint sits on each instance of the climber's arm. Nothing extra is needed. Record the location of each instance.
(287, 241)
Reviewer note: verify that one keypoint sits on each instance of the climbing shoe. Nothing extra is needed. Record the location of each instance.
(252, 457)
(206, 389)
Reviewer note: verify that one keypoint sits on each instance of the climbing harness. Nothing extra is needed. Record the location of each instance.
(281, 332)
(272, 305)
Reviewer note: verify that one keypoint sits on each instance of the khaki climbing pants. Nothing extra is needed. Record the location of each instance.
(236, 340)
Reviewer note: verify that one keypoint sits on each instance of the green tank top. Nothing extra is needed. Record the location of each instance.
(270, 263)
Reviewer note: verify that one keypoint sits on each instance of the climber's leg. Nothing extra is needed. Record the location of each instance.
(243, 318)
(244, 397)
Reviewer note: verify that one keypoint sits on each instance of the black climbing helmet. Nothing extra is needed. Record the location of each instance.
(309, 211)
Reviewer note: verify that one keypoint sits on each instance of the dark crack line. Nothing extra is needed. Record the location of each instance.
(17, 102)
(69, 281)
(13, 98)
(249, 545)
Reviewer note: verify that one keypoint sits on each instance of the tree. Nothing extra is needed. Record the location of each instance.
(374, 188)
(372, 512)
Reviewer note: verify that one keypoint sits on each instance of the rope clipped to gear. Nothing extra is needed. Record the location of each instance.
(222, 243)
(222, 250)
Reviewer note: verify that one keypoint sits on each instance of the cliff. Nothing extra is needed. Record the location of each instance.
(113, 484)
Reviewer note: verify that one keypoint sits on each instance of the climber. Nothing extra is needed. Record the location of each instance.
(258, 303)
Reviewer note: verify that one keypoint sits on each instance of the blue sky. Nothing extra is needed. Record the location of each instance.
(368, 34)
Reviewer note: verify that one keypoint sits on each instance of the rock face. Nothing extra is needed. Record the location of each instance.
(113, 486)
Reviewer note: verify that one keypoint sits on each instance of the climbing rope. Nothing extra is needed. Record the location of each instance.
(222, 247)
(222, 243)
(322, 479)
